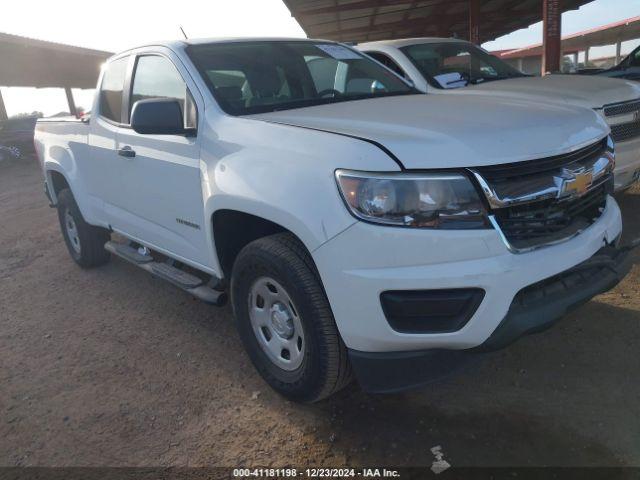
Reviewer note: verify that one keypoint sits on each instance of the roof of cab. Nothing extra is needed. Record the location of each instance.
(200, 41)
(181, 44)
(405, 42)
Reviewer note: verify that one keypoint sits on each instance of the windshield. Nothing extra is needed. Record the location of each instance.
(632, 60)
(457, 64)
(258, 77)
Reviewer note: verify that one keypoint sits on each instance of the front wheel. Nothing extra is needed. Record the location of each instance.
(84, 242)
(285, 321)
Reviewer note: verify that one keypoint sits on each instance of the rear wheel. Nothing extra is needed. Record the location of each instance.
(285, 321)
(84, 242)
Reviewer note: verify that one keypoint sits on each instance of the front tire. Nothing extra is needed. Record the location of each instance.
(84, 242)
(285, 321)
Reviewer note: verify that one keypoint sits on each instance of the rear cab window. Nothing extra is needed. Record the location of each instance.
(112, 88)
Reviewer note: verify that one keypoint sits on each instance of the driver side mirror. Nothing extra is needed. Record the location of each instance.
(159, 116)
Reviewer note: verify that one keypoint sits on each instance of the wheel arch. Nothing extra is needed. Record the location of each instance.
(56, 182)
(234, 229)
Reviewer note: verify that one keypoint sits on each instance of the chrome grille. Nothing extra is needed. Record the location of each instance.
(624, 119)
(625, 131)
(513, 171)
(621, 108)
(547, 201)
(550, 221)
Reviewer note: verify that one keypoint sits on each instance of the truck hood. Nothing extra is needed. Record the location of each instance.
(581, 90)
(452, 131)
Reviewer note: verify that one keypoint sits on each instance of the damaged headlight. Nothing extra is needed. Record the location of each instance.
(431, 200)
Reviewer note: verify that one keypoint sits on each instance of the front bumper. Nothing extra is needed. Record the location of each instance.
(365, 260)
(627, 169)
(534, 309)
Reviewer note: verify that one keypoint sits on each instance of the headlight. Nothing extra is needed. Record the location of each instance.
(434, 200)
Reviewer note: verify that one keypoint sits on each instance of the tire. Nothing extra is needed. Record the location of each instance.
(313, 363)
(84, 242)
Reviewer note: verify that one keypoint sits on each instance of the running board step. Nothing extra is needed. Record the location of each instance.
(181, 279)
(128, 253)
(178, 277)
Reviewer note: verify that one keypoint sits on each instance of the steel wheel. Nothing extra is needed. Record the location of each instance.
(72, 231)
(276, 323)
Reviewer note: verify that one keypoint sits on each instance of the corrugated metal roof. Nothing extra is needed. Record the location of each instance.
(27, 62)
(369, 20)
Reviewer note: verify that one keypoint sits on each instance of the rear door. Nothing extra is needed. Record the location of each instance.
(99, 172)
(161, 200)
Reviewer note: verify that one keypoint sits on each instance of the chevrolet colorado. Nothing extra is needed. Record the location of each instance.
(438, 65)
(359, 227)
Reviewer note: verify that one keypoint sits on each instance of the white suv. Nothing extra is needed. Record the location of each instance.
(437, 65)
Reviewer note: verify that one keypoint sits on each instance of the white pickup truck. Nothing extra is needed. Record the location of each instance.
(439, 65)
(359, 226)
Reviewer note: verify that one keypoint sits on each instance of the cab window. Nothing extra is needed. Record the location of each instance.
(156, 77)
(387, 61)
(111, 89)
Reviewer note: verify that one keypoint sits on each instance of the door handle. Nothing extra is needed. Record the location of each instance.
(127, 152)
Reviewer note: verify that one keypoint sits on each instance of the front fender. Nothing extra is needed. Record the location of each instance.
(283, 174)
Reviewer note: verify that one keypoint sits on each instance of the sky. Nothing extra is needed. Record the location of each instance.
(116, 25)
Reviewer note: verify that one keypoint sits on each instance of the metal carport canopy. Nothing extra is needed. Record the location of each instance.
(27, 62)
(368, 20)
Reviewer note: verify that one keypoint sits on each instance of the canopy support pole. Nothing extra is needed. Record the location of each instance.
(71, 102)
(474, 21)
(618, 52)
(551, 31)
(3, 110)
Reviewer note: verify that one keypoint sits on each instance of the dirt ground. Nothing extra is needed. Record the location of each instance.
(111, 367)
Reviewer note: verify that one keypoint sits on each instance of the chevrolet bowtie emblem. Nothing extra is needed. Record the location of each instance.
(575, 184)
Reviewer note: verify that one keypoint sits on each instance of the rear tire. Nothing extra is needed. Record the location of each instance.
(277, 297)
(84, 242)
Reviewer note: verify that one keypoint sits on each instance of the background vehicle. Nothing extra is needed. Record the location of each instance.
(439, 65)
(628, 69)
(16, 135)
(357, 225)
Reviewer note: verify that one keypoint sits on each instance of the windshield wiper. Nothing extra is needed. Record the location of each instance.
(312, 102)
(504, 77)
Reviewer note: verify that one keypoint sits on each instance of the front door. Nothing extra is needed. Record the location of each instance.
(162, 202)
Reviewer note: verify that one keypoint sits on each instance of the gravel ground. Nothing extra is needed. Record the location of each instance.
(111, 367)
